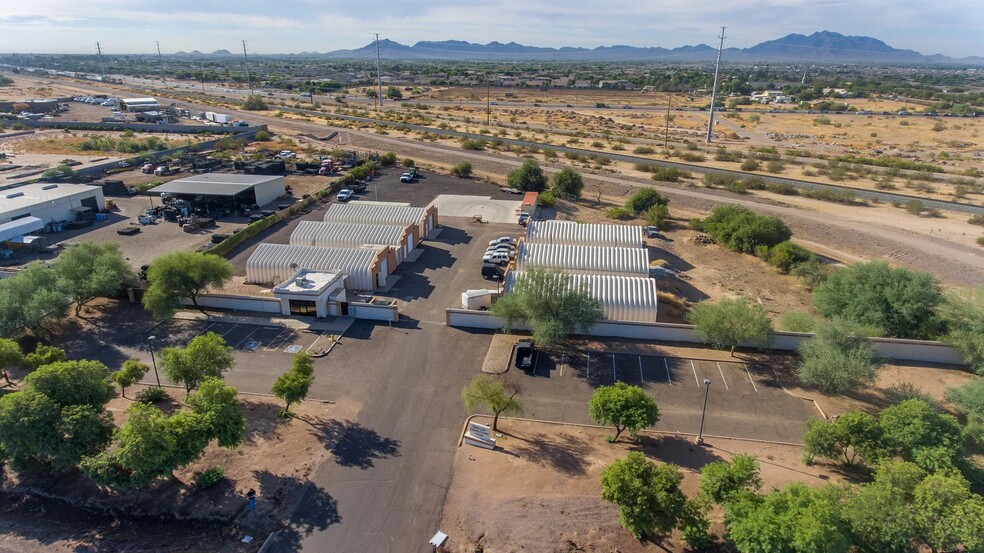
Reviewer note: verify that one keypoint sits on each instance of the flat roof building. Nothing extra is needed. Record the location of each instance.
(312, 293)
(50, 202)
(221, 194)
(139, 104)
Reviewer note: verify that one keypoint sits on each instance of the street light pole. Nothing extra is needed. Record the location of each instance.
(703, 411)
(150, 344)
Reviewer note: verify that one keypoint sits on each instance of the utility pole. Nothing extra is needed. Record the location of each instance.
(666, 136)
(249, 78)
(488, 103)
(201, 70)
(379, 78)
(102, 63)
(714, 89)
(160, 64)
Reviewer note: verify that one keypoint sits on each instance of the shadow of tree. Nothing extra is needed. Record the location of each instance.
(679, 450)
(262, 420)
(564, 452)
(354, 445)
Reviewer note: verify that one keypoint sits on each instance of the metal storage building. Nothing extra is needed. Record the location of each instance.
(217, 193)
(353, 235)
(366, 267)
(384, 213)
(622, 298)
(571, 233)
(631, 262)
(50, 202)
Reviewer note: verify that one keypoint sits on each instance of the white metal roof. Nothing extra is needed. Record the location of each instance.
(591, 234)
(621, 298)
(215, 184)
(316, 233)
(135, 101)
(373, 212)
(584, 259)
(20, 227)
(30, 195)
(274, 263)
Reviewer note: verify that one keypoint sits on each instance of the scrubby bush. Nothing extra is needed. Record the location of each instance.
(742, 230)
(785, 255)
(618, 213)
(463, 169)
(723, 180)
(151, 395)
(547, 199)
(387, 159)
(796, 321)
(783, 188)
(209, 477)
(750, 165)
(669, 174)
(644, 150)
(262, 136)
(473, 144)
(692, 157)
(723, 154)
(658, 216)
(645, 198)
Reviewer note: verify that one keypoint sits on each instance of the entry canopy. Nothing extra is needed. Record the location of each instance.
(20, 227)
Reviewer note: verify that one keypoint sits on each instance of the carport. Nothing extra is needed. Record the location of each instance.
(220, 194)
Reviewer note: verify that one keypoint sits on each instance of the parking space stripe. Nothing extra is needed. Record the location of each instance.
(243, 341)
(641, 379)
(234, 327)
(750, 379)
(588, 369)
(666, 366)
(695, 372)
(720, 370)
(562, 363)
(205, 330)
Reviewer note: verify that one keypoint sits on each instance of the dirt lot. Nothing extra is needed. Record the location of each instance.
(490, 501)
(276, 460)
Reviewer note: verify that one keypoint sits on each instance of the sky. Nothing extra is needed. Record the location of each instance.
(954, 28)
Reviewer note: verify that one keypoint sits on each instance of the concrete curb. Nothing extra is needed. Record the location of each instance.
(267, 543)
(815, 403)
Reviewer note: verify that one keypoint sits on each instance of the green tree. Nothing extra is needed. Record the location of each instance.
(623, 406)
(968, 398)
(462, 170)
(947, 513)
(30, 299)
(205, 356)
(901, 302)
(796, 321)
(721, 481)
(45, 355)
(645, 198)
(694, 524)
(10, 354)
(393, 92)
(567, 181)
(730, 323)
(836, 360)
(131, 373)
(73, 383)
(880, 514)
(851, 436)
(914, 431)
(963, 314)
(648, 495)
(794, 519)
(742, 230)
(216, 402)
(494, 394)
(255, 102)
(293, 385)
(181, 275)
(550, 303)
(88, 270)
(529, 177)
(658, 216)
(144, 450)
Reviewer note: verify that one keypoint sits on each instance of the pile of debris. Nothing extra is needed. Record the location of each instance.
(703, 239)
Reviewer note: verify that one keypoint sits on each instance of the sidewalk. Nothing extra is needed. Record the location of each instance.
(333, 325)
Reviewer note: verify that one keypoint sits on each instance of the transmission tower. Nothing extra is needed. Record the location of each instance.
(249, 78)
(714, 89)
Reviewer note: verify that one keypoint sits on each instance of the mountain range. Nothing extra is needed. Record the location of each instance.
(819, 47)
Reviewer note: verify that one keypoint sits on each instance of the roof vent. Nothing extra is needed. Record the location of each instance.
(14, 195)
(49, 186)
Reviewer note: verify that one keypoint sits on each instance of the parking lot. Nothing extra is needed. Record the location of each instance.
(743, 399)
(247, 338)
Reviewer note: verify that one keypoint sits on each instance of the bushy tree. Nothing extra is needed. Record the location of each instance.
(901, 302)
(567, 181)
(88, 270)
(131, 373)
(853, 437)
(645, 198)
(529, 177)
(968, 398)
(73, 383)
(731, 322)
(794, 519)
(181, 275)
(10, 354)
(144, 450)
(293, 385)
(462, 170)
(658, 216)
(880, 514)
(742, 230)
(647, 494)
(45, 355)
(494, 394)
(837, 360)
(552, 306)
(948, 514)
(205, 356)
(30, 299)
(216, 402)
(914, 431)
(963, 314)
(623, 406)
(255, 102)
(721, 481)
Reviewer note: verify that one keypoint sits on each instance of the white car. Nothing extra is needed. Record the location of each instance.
(498, 258)
(502, 240)
(509, 248)
(286, 154)
(345, 194)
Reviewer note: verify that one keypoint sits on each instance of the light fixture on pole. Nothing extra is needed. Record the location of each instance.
(703, 411)
(150, 344)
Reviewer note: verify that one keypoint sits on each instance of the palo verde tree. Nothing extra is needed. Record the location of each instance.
(131, 373)
(837, 360)
(293, 385)
(647, 494)
(567, 181)
(217, 404)
(88, 270)
(851, 438)
(550, 304)
(177, 276)
(493, 393)
(528, 177)
(205, 356)
(623, 406)
(644, 199)
(10, 354)
(255, 102)
(731, 322)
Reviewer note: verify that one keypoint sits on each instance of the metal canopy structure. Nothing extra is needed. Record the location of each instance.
(20, 227)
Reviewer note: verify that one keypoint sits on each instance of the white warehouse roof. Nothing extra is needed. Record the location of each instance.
(621, 298)
(316, 233)
(571, 233)
(274, 263)
(30, 195)
(373, 212)
(632, 262)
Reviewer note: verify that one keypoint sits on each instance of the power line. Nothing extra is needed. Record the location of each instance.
(249, 78)
(714, 89)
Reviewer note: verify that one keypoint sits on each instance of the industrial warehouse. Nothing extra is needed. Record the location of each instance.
(51, 202)
(383, 213)
(401, 238)
(576, 234)
(223, 194)
(594, 260)
(631, 299)
(366, 268)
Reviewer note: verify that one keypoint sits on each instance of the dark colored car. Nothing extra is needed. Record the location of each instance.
(491, 271)
(525, 354)
(128, 231)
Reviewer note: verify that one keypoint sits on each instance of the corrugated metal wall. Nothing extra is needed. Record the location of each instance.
(376, 213)
(632, 262)
(621, 298)
(275, 263)
(563, 232)
(316, 233)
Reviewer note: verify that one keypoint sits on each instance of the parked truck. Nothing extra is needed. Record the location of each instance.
(220, 118)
